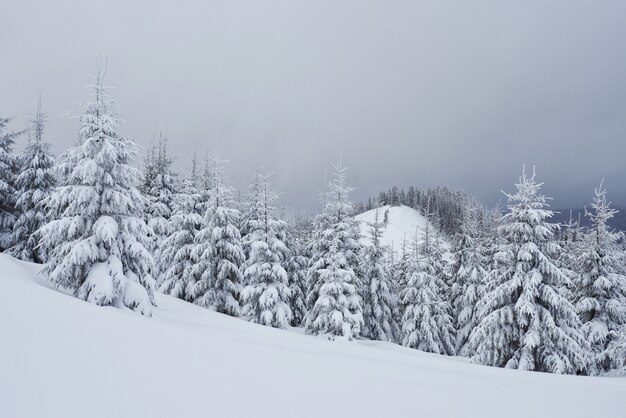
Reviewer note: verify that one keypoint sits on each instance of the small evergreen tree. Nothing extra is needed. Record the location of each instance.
(266, 295)
(34, 184)
(96, 239)
(602, 285)
(616, 352)
(526, 322)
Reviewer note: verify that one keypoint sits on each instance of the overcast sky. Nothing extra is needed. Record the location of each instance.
(427, 93)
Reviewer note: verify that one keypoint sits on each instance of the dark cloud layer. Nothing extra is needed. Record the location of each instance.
(455, 93)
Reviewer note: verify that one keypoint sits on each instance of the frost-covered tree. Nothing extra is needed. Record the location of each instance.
(336, 308)
(426, 321)
(218, 254)
(601, 301)
(616, 352)
(526, 322)
(33, 184)
(570, 240)
(297, 266)
(380, 303)
(468, 274)
(175, 253)
(266, 295)
(8, 172)
(96, 239)
(161, 186)
(147, 174)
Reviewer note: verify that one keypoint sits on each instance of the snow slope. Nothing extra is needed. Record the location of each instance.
(61, 357)
(403, 223)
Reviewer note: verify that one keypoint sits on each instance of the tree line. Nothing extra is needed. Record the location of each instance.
(513, 290)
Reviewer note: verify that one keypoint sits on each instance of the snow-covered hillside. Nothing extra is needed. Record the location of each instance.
(403, 223)
(61, 357)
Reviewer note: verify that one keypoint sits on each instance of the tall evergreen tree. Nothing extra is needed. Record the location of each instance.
(8, 172)
(218, 254)
(380, 303)
(266, 295)
(176, 251)
(34, 184)
(96, 241)
(601, 284)
(336, 309)
(468, 274)
(253, 209)
(161, 188)
(526, 322)
(297, 265)
(426, 320)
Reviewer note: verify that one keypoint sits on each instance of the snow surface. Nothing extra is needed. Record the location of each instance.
(403, 223)
(62, 357)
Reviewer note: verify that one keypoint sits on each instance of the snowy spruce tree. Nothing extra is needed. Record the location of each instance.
(427, 323)
(175, 252)
(8, 172)
(616, 353)
(601, 289)
(96, 239)
(33, 184)
(218, 254)
(380, 303)
(160, 184)
(526, 322)
(468, 274)
(266, 296)
(297, 266)
(335, 306)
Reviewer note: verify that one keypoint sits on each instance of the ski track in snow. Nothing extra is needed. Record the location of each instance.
(62, 357)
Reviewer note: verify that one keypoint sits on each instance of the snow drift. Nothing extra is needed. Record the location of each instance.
(62, 357)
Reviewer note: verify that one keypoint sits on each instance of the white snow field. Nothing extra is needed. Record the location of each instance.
(403, 223)
(61, 357)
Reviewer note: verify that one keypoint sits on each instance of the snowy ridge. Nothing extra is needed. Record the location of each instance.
(62, 357)
(403, 223)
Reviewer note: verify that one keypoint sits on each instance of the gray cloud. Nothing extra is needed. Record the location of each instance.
(427, 93)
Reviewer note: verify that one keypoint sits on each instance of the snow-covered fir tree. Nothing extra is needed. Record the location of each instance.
(252, 211)
(380, 302)
(33, 184)
(526, 322)
(161, 184)
(616, 353)
(297, 266)
(218, 254)
(601, 301)
(570, 239)
(427, 323)
(468, 274)
(147, 175)
(175, 252)
(266, 295)
(96, 239)
(336, 308)
(8, 172)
